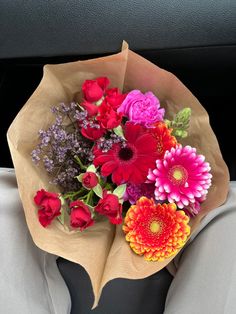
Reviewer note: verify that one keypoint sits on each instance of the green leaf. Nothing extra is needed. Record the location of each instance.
(120, 190)
(98, 190)
(91, 168)
(180, 124)
(181, 133)
(79, 177)
(79, 162)
(119, 131)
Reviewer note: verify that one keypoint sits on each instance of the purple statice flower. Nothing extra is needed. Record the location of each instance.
(60, 153)
(66, 178)
(45, 137)
(80, 115)
(48, 164)
(93, 125)
(35, 155)
(58, 120)
(84, 124)
(61, 143)
(55, 110)
(135, 191)
(64, 108)
(142, 108)
(60, 135)
(105, 144)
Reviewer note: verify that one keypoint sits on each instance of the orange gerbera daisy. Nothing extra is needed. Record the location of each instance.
(156, 231)
(165, 141)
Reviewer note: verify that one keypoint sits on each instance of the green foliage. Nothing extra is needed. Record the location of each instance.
(98, 190)
(180, 124)
(120, 191)
(119, 131)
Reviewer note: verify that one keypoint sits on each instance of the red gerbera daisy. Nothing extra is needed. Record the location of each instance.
(165, 141)
(129, 163)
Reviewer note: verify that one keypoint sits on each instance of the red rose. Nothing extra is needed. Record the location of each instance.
(80, 216)
(94, 89)
(91, 108)
(89, 180)
(108, 117)
(103, 82)
(93, 133)
(114, 97)
(50, 206)
(109, 206)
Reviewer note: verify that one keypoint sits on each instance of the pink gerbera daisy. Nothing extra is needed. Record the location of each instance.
(182, 176)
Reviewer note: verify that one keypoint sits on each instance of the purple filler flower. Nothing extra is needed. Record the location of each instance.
(135, 191)
(142, 108)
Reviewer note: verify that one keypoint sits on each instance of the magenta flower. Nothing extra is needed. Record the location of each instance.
(141, 108)
(135, 191)
(182, 176)
(192, 209)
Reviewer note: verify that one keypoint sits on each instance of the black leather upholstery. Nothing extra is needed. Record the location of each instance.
(119, 296)
(48, 28)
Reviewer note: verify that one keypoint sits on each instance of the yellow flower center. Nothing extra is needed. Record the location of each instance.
(178, 175)
(155, 227)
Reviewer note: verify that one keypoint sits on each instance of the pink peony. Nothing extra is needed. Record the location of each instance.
(135, 191)
(182, 176)
(141, 108)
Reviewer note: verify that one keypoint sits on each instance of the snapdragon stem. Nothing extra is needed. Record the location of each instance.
(73, 194)
(89, 197)
(83, 167)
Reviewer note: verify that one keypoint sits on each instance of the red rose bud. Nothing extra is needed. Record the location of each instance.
(110, 207)
(93, 133)
(89, 180)
(91, 108)
(50, 206)
(108, 117)
(80, 216)
(94, 89)
(103, 82)
(114, 97)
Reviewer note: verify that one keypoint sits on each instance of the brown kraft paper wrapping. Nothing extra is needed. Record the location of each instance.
(102, 249)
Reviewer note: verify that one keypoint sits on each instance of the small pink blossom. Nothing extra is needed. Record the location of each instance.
(192, 209)
(142, 108)
(135, 191)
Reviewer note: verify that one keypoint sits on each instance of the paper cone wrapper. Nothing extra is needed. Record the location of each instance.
(102, 249)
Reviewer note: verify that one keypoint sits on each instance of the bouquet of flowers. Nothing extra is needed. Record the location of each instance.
(113, 152)
(120, 174)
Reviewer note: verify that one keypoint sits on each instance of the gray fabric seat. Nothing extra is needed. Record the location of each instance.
(30, 281)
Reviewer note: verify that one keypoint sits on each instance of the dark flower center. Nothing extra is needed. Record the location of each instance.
(125, 153)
